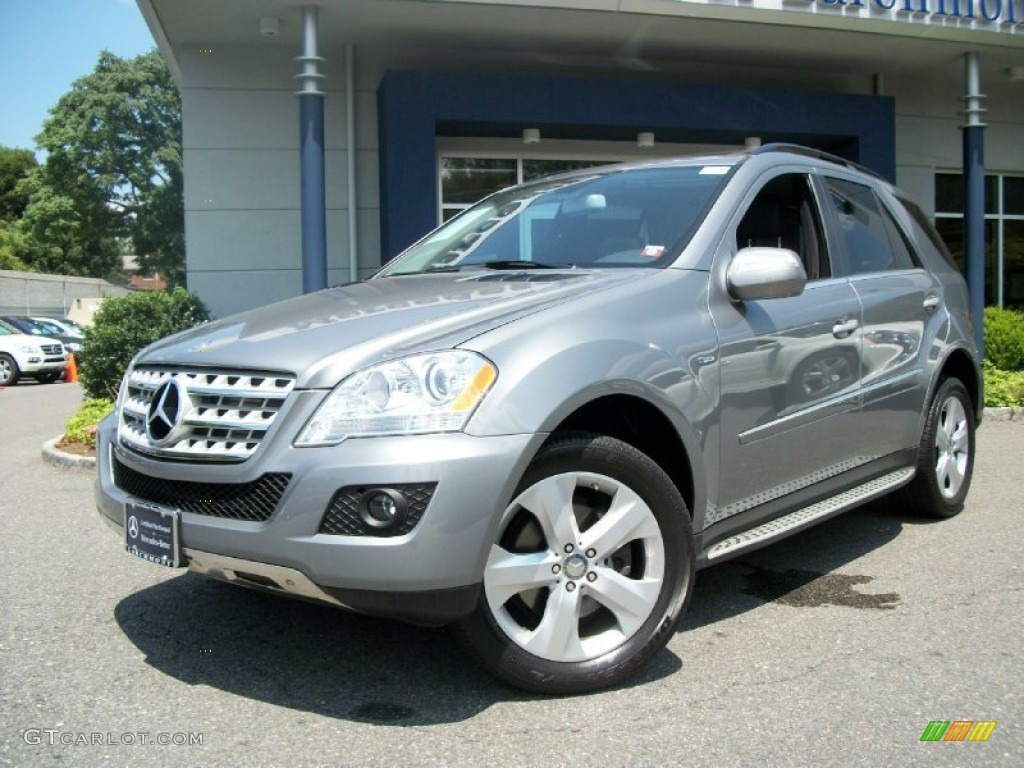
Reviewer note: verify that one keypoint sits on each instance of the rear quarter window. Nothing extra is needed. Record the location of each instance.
(923, 231)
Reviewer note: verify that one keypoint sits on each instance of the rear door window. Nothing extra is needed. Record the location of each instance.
(870, 240)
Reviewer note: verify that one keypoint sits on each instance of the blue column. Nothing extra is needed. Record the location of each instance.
(314, 218)
(974, 198)
(311, 153)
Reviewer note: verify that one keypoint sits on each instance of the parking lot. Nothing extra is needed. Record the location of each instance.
(834, 648)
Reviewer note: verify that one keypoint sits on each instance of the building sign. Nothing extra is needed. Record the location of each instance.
(1005, 13)
(945, 19)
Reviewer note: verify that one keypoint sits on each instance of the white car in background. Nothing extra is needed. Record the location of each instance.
(35, 357)
(61, 327)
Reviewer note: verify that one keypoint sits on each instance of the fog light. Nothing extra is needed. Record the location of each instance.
(382, 507)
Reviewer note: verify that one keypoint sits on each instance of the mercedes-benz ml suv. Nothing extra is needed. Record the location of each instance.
(541, 419)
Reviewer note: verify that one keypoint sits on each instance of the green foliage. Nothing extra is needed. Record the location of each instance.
(1003, 388)
(1004, 338)
(13, 246)
(124, 325)
(113, 170)
(14, 167)
(81, 427)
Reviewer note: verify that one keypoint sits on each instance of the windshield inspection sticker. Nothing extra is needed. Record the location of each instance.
(714, 170)
(652, 251)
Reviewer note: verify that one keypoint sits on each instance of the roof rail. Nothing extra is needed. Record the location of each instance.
(799, 149)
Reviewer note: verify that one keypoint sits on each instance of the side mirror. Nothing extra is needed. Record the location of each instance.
(765, 273)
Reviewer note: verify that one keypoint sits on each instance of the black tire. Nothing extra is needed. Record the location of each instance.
(631, 568)
(8, 371)
(48, 378)
(945, 461)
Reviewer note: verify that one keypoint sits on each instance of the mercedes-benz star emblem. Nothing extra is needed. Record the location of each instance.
(165, 412)
(133, 527)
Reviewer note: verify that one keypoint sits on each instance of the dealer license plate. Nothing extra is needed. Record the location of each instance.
(152, 534)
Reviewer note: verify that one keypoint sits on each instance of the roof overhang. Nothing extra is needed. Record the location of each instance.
(850, 37)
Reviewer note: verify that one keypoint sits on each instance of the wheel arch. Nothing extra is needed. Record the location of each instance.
(959, 364)
(646, 427)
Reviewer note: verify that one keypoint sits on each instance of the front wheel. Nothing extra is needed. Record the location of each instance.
(591, 569)
(946, 455)
(48, 378)
(8, 371)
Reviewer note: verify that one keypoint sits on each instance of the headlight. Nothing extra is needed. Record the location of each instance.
(74, 346)
(29, 349)
(435, 392)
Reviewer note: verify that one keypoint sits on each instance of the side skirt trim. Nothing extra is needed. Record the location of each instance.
(803, 517)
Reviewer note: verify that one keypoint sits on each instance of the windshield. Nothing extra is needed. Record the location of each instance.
(619, 218)
(48, 327)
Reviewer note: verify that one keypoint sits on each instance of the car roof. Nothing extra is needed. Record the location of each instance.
(733, 158)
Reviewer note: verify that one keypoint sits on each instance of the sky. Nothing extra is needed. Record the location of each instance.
(45, 45)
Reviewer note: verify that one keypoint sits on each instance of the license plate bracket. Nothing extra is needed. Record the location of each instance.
(153, 533)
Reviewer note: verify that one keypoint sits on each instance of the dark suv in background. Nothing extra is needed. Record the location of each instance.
(542, 419)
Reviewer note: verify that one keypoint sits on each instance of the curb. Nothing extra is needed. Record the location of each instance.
(58, 458)
(1004, 414)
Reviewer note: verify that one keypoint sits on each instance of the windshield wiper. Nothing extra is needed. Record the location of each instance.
(520, 264)
(497, 264)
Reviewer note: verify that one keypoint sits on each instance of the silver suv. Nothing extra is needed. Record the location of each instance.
(540, 420)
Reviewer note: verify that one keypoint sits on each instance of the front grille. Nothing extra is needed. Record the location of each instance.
(52, 349)
(224, 414)
(342, 517)
(255, 501)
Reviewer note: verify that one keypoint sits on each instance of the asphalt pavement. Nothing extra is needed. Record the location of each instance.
(836, 647)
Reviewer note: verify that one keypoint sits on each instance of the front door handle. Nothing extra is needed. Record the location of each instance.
(845, 327)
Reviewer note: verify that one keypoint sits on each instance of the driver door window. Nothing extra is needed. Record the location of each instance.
(784, 215)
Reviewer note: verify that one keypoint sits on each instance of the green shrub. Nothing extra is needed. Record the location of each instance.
(124, 325)
(1003, 388)
(81, 427)
(1004, 338)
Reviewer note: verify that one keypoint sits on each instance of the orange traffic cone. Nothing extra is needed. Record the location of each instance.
(72, 373)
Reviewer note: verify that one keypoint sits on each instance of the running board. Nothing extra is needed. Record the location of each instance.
(781, 526)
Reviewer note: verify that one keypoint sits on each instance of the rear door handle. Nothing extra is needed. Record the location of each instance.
(931, 302)
(845, 327)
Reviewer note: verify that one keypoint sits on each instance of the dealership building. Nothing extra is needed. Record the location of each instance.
(333, 134)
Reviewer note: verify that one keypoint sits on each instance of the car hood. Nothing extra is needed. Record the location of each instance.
(17, 340)
(324, 336)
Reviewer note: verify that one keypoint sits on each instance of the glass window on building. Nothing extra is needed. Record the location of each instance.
(1004, 232)
(465, 180)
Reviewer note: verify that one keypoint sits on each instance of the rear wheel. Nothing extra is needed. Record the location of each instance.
(8, 371)
(946, 455)
(591, 568)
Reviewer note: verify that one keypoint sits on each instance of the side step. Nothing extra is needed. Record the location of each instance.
(782, 526)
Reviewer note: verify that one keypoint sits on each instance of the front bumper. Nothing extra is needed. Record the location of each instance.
(429, 575)
(44, 365)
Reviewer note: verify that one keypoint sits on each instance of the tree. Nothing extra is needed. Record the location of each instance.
(113, 170)
(15, 165)
(13, 246)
